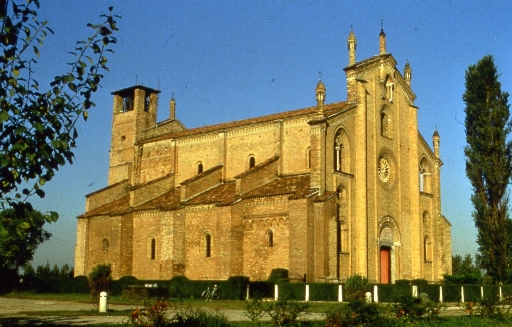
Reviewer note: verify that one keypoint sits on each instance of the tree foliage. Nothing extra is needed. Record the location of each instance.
(464, 271)
(99, 279)
(37, 122)
(23, 232)
(488, 162)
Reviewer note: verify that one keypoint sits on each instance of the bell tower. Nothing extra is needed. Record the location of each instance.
(134, 111)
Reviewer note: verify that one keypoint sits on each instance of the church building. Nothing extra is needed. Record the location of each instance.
(327, 191)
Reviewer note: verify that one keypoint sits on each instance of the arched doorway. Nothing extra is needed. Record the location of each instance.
(386, 255)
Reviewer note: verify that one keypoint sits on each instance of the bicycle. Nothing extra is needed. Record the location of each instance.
(211, 294)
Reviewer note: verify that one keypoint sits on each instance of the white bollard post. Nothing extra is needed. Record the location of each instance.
(103, 302)
(440, 294)
(247, 293)
(501, 295)
(462, 294)
(307, 293)
(276, 292)
(375, 294)
(340, 293)
(414, 291)
(481, 292)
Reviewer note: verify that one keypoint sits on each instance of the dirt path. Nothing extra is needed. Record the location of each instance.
(17, 312)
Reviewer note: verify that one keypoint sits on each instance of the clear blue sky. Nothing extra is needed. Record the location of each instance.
(229, 60)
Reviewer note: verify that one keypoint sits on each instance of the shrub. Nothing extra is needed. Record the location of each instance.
(278, 274)
(323, 292)
(285, 313)
(9, 279)
(355, 313)
(99, 280)
(355, 287)
(161, 313)
(409, 307)
(235, 288)
(117, 286)
(255, 309)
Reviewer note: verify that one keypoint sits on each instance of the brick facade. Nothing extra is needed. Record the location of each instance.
(326, 192)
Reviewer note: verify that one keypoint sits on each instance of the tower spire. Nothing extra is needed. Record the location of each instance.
(382, 39)
(352, 44)
(172, 107)
(320, 97)
(408, 73)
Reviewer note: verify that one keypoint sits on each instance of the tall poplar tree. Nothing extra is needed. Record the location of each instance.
(488, 163)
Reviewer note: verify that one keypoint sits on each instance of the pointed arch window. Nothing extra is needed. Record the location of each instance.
(341, 152)
(199, 168)
(389, 90)
(425, 177)
(386, 123)
(338, 153)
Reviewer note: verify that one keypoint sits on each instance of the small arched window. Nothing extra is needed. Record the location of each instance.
(153, 249)
(270, 238)
(427, 248)
(208, 245)
(147, 102)
(343, 237)
(104, 244)
(308, 158)
(252, 162)
(199, 168)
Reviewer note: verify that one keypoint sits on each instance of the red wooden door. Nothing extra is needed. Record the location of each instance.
(385, 265)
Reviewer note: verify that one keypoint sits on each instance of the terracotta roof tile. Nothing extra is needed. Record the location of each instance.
(113, 208)
(328, 110)
(295, 186)
(224, 194)
(167, 201)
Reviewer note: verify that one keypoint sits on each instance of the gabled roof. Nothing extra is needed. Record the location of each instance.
(328, 110)
(129, 90)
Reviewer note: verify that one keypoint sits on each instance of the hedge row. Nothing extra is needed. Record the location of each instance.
(236, 288)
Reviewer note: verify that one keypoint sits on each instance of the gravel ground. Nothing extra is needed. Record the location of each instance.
(17, 312)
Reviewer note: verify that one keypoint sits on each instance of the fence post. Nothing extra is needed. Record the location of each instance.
(440, 294)
(462, 294)
(501, 295)
(276, 292)
(307, 293)
(481, 292)
(340, 293)
(375, 294)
